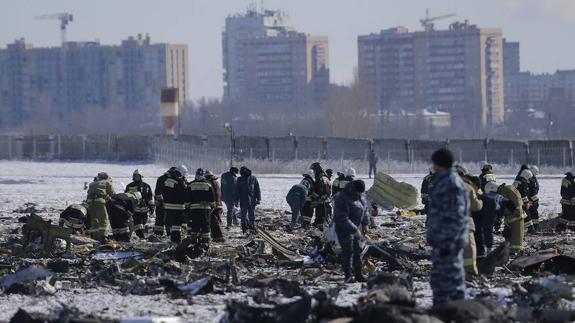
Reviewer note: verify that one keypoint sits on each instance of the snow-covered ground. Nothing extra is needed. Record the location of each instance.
(54, 185)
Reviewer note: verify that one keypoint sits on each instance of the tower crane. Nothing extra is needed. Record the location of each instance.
(427, 22)
(65, 18)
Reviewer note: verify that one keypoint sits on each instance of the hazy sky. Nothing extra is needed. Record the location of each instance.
(545, 28)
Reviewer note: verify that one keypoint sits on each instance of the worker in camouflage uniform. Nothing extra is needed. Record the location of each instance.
(523, 185)
(447, 229)
(426, 187)
(218, 210)
(296, 199)
(567, 219)
(201, 200)
(534, 198)
(160, 221)
(475, 206)
(351, 221)
(99, 192)
(121, 208)
(487, 175)
(514, 225)
(322, 189)
(146, 202)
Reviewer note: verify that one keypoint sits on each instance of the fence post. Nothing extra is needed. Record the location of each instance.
(10, 147)
(83, 147)
(564, 158)
(511, 160)
(34, 147)
(538, 156)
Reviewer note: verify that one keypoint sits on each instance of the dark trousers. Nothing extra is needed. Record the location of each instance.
(306, 213)
(230, 212)
(174, 220)
(321, 214)
(119, 221)
(216, 224)
(484, 224)
(372, 168)
(534, 214)
(140, 221)
(248, 217)
(350, 253)
(199, 226)
(567, 218)
(160, 221)
(295, 213)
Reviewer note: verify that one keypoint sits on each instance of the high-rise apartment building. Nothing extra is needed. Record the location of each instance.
(459, 71)
(264, 59)
(85, 75)
(511, 58)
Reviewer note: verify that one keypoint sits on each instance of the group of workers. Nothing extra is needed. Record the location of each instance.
(463, 212)
(182, 208)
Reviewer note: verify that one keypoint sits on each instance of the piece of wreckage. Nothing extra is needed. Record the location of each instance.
(35, 226)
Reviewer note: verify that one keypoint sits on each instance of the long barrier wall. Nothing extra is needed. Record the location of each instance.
(130, 148)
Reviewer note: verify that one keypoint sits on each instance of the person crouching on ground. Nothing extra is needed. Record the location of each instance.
(447, 229)
(351, 219)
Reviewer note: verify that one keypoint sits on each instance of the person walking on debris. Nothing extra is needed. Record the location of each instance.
(523, 185)
(146, 203)
(322, 189)
(201, 199)
(296, 199)
(307, 210)
(99, 192)
(174, 193)
(229, 180)
(487, 175)
(494, 207)
(533, 210)
(216, 214)
(75, 216)
(160, 221)
(475, 206)
(121, 207)
(447, 229)
(373, 159)
(426, 187)
(567, 218)
(248, 195)
(514, 230)
(351, 221)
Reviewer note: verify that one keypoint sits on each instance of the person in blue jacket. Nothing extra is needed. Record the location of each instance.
(351, 220)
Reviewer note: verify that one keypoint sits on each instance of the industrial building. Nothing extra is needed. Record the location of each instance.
(88, 75)
(458, 71)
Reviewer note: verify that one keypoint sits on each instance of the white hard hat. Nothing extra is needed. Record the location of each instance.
(526, 174)
(534, 169)
(491, 187)
(138, 172)
(183, 170)
(350, 172)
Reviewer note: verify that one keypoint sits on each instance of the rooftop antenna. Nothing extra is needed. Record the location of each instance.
(427, 22)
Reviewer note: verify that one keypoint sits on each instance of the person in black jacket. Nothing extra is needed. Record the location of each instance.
(175, 197)
(201, 199)
(494, 207)
(160, 221)
(121, 208)
(567, 219)
(146, 203)
(351, 222)
(248, 195)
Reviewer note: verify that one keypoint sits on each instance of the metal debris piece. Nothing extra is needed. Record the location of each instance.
(48, 231)
(281, 249)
